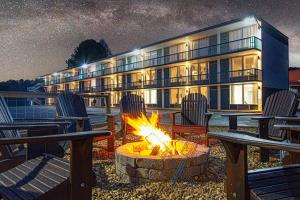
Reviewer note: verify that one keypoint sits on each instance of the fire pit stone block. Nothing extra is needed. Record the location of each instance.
(132, 167)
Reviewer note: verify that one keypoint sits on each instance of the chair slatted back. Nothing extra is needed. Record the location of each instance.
(282, 103)
(193, 109)
(132, 104)
(7, 151)
(72, 105)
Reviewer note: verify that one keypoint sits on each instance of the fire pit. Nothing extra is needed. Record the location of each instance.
(157, 157)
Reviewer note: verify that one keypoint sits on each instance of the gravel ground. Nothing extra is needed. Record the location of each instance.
(208, 186)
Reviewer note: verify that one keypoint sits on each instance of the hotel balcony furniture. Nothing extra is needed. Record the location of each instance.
(282, 103)
(194, 116)
(71, 106)
(50, 177)
(269, 183)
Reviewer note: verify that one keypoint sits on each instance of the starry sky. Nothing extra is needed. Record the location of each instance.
(37, 36)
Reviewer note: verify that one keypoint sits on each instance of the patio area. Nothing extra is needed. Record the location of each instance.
(207, 186)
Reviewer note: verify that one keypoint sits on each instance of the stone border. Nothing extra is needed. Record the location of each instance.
(134, 168)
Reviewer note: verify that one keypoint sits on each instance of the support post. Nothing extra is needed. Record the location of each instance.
(81, 169)
(236, 183)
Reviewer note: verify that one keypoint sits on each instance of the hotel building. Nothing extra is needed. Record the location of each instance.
(236, 65)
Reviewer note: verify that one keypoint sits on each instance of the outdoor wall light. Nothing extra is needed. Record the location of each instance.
(84, 66)
(249, 20)
(136, 51)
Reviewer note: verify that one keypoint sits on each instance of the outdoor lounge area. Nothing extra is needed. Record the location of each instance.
(170, 155)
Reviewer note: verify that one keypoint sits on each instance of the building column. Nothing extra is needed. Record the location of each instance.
(219, 97)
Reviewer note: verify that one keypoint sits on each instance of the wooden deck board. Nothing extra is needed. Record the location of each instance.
(33, 178)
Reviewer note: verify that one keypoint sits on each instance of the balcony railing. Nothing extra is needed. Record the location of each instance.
(213, 50)
(237, 76)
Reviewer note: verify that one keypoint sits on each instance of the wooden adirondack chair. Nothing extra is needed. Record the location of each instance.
(280, 104)
(48, 177)
(269, 183)
(194, 116)
(131, 105)
(71, 106)
(11, 155)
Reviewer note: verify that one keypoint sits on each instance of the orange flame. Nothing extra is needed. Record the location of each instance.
(148, 128)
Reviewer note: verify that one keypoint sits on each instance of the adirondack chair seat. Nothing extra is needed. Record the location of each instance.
(49, 177)
(36, 178)
(269, 183)
(275, 183)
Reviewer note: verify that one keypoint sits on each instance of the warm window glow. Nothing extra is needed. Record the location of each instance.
(250, 94)
(244, 94)
(236, 94)
(236, 66)
(150, 96)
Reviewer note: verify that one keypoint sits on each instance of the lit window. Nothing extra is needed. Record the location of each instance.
(250, 94)
(244, 94)
(150, 96)
(153, 97)
(236, 92)
(236, 66)
(249, 62)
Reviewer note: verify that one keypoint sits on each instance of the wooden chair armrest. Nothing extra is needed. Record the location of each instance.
(113, 115)
(239, 114)
(81, 173)
(236, 138)
(235, 146)
(62, 137)
(287, 127)
(288, 118)
(65, 123)
(38, 119)
(73, 118)
(27, 126)
(265, 118)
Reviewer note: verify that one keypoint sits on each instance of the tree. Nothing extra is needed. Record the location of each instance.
(88, 51)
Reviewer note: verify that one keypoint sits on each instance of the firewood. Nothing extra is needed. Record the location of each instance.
(155, 150)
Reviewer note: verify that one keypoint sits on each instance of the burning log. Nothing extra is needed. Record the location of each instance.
(155, 150)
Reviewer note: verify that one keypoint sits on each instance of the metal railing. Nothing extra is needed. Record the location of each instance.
(200, 79)
(212, 50)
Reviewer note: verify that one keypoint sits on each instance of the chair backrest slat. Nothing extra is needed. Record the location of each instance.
(282, 103)
(72, 105)
(5, 117)
(193, 109)
(132, 104)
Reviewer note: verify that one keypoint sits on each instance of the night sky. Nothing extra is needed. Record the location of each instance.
(37, 36)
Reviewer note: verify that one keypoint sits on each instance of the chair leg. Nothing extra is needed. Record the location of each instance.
(111, 144)
(206, 140)
(173, 135)
(124, 133)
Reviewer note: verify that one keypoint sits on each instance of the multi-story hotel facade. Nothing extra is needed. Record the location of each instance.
(236, 65)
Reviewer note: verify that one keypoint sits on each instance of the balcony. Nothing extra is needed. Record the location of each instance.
(214, 50)
(152, 83)
(134, 85)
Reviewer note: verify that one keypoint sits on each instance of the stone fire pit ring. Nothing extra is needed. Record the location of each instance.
(132, 167)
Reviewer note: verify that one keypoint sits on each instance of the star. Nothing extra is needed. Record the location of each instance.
(36, 37)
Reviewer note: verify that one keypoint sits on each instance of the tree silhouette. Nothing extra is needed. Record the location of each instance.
(88, 51)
